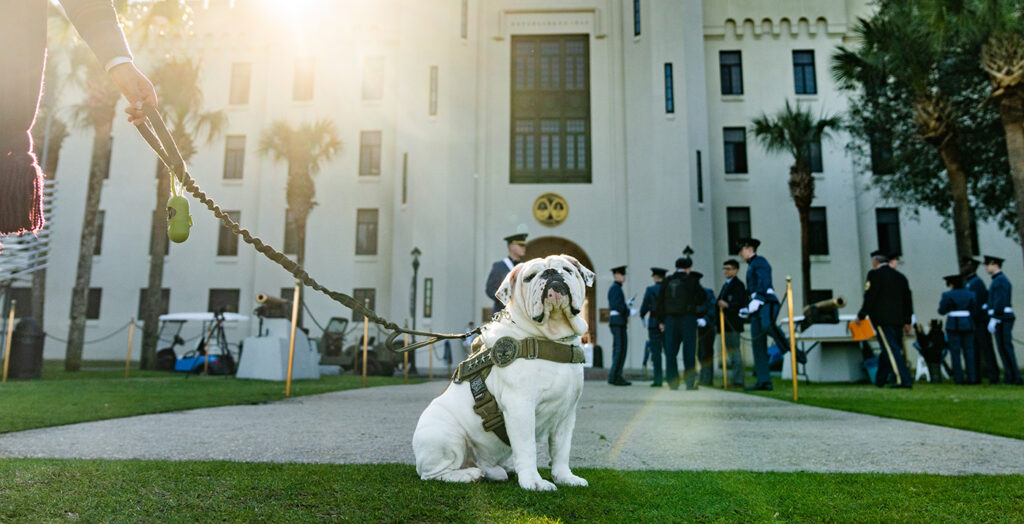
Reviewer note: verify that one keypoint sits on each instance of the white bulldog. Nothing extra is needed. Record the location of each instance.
(538, 398)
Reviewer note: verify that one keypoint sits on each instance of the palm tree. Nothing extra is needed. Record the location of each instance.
(896, 47)
(306, 148)
(181, 101)
(995, 30)
(795, 131)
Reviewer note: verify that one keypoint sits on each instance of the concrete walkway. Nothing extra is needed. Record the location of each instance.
(624, 428)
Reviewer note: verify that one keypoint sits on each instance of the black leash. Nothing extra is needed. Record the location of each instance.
(155, 133)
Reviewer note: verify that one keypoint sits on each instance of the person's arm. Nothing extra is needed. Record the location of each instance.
(659, 308)
(647, 305)
(493, 282)
(869, 299)
(908, 305)
(945, 304)
(617, 301)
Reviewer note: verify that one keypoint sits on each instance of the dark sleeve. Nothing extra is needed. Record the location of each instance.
(493, 281)
(659, 307)
(870, 292)
(945, 304)
(710, 311)
(739, 296)
(97, 23)
(908, 303)
(617, 300)
(648, 304)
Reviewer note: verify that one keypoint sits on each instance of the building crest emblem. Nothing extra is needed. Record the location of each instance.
(550, 209)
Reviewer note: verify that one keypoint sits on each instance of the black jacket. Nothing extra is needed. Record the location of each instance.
(735, 294)
(680, 295)
(887, 298)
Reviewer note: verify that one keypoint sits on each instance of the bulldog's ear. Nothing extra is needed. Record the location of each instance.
(504, 293)
(588, 275)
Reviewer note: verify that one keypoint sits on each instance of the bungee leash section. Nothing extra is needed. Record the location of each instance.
(155, 133)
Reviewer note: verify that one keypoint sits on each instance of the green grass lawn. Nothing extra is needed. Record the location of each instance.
(155, 491)
(101, 392)
(998, 410)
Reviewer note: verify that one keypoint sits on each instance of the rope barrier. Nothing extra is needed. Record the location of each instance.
(94, 341)
(164, 146)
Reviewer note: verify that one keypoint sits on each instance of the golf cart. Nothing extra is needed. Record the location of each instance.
(379, 360)
(212, 352)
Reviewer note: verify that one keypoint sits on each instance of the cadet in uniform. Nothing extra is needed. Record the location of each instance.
(654, 334)
(516, 252)
(618, 316)
(957, 304)
(731, 300)
(984, 354)
(678, 299)
(762, 310)
(1001, 317)
(887, 302)
(706, 329)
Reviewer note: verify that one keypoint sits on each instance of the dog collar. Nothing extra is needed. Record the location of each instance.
(506, 350)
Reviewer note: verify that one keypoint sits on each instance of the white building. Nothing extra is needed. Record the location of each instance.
(436, 102)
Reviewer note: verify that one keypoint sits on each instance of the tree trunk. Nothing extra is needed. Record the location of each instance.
(957, 177)
(1011, 112)
(152, 300)
(300, 257)
(801, 188)
(99, 167)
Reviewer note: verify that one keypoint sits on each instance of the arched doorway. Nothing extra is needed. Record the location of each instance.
(545, 246)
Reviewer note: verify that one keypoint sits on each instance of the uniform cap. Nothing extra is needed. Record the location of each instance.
(989, 259)
(658, 271)
(619, 269)
(954, 280)
(752, 242)
(684, 262)
(879, 254)
(518, 238)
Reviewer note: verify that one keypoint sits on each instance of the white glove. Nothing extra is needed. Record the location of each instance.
(744, 313)
(634, 312)
(701, 322)
(754, 305)
(913, 319)
(991, 312)
(992, 325)
(630, 302)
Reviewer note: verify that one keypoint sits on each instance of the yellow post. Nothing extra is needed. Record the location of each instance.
(405, 362)
(291, 344)
(792, 334)
(128, 357)
(10, 334)
(721, 323)
(430, 365)
(366, 340)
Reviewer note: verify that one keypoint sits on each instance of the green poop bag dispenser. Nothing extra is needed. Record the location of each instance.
(178, 219)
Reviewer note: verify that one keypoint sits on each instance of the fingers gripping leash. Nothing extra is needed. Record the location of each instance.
(155, 133)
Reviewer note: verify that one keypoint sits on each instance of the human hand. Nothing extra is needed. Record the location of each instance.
(661, 327)
(723, 304)
(136, 88)
(754, 305)
(744, 313)
(701, 322)
(634, 312)
(992, 325)
(907, 329)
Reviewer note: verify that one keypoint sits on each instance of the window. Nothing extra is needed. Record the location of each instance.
(369, 153)
(428, 297)
(291, 235)
(735, 149)
(814, 157)
(730, 65)
(227, 242)
(97, 247)
(22, 296)
(433, 90)
(464, 28)
(636, 17)
(234, 156)
(550, 109)
(818, 231)
(373, 78)
(302, 88)
(888, 220)
(366, 296)
(92, 303)
(165, 301)
(240, 74)
(670, 103)
(738, 220)
(159, 224)
(803, 73)
(366, 231)
(700, 180)
(225, 300)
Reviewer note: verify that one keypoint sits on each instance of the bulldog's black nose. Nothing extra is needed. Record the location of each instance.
(559, 286)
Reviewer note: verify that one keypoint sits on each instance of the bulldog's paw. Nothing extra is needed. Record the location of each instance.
(568, 479)
(462, 475)
(535, 483)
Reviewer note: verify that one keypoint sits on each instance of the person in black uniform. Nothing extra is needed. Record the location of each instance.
(678, 299)
(887, 302)
(516, 252)
(706, 329)
(655, 337)
(957, 304)
(618, 311)
(731, 300)
(1001, 318)
(984, 353)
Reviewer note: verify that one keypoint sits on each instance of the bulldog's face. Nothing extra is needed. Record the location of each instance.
(549, 292)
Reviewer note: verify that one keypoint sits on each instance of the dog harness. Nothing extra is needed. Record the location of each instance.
(506, 350)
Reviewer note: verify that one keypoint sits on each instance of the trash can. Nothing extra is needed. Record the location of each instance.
(26, 350)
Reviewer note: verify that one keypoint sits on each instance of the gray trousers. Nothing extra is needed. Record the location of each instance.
(733, 359)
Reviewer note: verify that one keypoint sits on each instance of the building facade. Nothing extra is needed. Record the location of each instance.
(459, 119)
